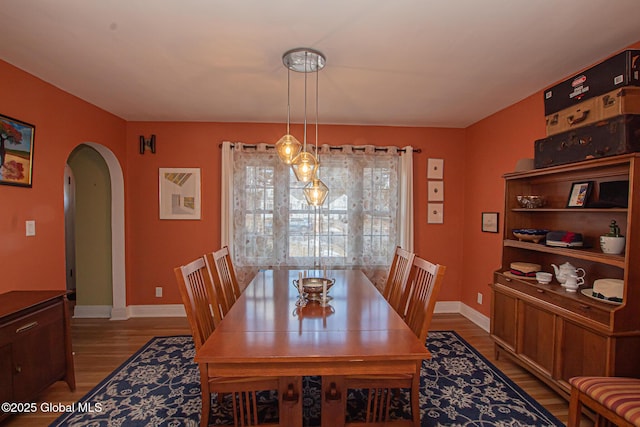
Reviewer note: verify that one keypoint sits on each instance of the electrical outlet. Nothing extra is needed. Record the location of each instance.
(479, 298)
(159, 292)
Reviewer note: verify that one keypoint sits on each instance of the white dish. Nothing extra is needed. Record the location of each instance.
(589, 293)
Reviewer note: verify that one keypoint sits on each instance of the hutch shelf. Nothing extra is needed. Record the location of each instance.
(556, 334)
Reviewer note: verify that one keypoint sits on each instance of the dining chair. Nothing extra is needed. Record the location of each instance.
(425, 281)
(396, 284)
(615, 399)
(200, 303)
(225, 274)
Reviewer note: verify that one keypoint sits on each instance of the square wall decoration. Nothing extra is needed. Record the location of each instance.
(16, 152)
(179, 193)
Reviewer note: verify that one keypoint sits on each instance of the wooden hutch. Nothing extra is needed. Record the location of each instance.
(555, 334)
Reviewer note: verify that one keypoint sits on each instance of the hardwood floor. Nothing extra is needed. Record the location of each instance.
(100, 346)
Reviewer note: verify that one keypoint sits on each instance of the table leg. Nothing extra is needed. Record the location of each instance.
(290, 401)
(334, 401)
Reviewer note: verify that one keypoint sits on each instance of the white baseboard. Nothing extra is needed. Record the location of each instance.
(457, 307)
(92, 311)
(476, 317)
(447, 307)
(120, 313)
(162, 310)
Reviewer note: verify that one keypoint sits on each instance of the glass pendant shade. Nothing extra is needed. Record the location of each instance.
(288, 148)
(304, 166)
(316, 192)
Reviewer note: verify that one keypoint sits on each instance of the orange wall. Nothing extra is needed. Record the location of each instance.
(62, 122)
(475, 160)
(492, 148)
(155, 246)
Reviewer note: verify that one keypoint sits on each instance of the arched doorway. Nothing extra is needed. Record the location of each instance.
(115, 183)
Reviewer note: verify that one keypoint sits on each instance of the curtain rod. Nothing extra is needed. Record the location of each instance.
(355, 148)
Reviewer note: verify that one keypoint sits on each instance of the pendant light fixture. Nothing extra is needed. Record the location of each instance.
(288, 147)
(305, 61)
(316, 191)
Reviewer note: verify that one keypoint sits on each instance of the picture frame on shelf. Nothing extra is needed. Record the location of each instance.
(16, 152)
(490, 222)
(179, 193)
(579, 194)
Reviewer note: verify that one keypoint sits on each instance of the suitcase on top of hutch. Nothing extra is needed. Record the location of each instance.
(615, 72)
(625, 100)
(609, 137)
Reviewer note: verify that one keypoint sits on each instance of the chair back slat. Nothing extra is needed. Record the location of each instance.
(424, 287)
(200, 301)
(395, 288)
(226, 275)
(224, 301)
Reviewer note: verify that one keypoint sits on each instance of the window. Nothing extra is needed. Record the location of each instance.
(275, 227)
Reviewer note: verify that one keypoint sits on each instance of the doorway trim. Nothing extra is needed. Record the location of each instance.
(119, 311)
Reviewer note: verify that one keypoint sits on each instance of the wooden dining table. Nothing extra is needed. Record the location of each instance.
(356, 332)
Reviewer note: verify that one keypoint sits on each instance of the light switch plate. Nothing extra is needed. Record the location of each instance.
(30, 228)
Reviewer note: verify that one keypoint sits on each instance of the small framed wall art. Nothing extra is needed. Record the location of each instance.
(16, 152)
(490, 222)
(435, 213)
(436, 191)
(179, 193)
(435, 168)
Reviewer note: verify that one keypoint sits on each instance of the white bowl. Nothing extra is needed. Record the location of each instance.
(612, 245)
(543, 277)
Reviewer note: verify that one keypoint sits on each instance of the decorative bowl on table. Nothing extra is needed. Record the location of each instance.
(531, 202)
(530, 234)
(312, 286)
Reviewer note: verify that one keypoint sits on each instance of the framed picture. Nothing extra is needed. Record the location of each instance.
(435, 191)
(579, 194)
(490, 222)
(179, 193)
(435, 213)
(435, 168)
(16, 152)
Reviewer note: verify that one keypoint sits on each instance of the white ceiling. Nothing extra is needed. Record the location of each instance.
(442, 63)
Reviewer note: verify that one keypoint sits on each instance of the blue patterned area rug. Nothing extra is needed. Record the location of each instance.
(159, 385)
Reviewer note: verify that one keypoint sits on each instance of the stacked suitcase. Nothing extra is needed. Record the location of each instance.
(593, 114)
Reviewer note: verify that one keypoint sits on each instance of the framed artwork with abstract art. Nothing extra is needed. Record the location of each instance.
(179, 193)
(16, 152)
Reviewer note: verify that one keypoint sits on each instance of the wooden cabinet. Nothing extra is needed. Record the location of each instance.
(35, 344)
(557, 334)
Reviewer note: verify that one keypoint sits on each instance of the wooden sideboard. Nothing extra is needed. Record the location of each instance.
(35, 344)
(557, 334)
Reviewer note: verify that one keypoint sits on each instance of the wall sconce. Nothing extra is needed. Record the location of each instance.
(151, 143)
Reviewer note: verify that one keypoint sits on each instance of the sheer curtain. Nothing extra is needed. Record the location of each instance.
(406, 199)
(364, 218)
(226, 199)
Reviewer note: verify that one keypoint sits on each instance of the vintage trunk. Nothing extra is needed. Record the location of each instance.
(625, 100)
(609, 137)
(618, 71)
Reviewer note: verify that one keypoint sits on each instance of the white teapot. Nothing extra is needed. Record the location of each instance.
(565, 270)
